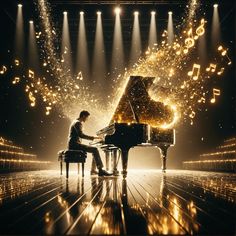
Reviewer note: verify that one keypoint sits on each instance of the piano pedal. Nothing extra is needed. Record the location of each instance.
(116, 173)
(124, 173)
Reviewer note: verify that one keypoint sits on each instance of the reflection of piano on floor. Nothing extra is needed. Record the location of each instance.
(135, 123)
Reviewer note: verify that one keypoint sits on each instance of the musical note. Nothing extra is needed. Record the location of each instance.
(221, 71)
(16, 80)
(216, 92)
(194, 73)
(17, 62)
(31, 74)
(32, 99)
(66, 49)
(48, 109)
(224, 54)
(202, 100)
(211, 68)
(3, 70)
(189, 42)
(201, 30)
(79, 76)
(38, 34)
(183, 85)
(192, 114)
(164, 33)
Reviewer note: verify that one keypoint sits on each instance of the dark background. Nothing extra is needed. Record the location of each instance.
(45, 135)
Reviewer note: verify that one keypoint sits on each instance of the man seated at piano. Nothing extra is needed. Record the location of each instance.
(75, 143)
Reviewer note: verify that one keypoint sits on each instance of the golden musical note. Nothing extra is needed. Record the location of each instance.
(3, 70)
(79, 76)
(38, 34)
(201, 30)
(224, 54)
(202, 100)
(189, 42)
(48, 109)
(183, 85)
(31, 74)
(32, 99)
(211, 68)
(192, 114)
(194, 73)
(16, 80)
(221, 71)
(17, 62)
(216, 92)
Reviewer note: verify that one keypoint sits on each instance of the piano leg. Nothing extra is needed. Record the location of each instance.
(107, 155)
(124, 156)
(115, 161)
(163, 149)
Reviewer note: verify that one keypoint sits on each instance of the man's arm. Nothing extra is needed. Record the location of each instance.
(78, 127)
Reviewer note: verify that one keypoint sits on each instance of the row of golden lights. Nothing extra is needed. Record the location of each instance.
(117, 11)
(218, 153)
(24, 161)
(16, 153)
(210, 161)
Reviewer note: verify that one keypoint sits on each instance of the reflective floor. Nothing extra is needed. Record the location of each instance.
(147, 202)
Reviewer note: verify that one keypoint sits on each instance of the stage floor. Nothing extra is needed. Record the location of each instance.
(146, 202)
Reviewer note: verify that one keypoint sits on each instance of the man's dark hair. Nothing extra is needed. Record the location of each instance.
(84, 113)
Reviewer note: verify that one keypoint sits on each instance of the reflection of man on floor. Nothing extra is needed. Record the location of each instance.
(75, 142)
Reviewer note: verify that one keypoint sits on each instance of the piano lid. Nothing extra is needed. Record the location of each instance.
(136, 104)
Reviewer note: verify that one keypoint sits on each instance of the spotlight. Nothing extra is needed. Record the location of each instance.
(136, 13)
(65, 12)
(20, 5)
(170, 12)
(153, 13)
(117, 10)
(99, 13)
(215, 5)
(81, 13)
(31, 22)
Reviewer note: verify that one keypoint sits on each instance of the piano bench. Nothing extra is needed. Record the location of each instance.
(72, 156)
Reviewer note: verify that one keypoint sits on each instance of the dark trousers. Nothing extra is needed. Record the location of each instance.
(89, 149)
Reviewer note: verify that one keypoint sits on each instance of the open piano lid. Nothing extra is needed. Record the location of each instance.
(136, 106)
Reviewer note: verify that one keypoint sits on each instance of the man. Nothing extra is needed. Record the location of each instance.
(75, 142)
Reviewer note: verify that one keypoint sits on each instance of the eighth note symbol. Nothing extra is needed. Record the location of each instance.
(216, 92)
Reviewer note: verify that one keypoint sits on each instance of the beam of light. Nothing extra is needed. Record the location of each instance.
(152, 30)
(33, 57)
(136, 40)
(99, 61)
(19, 34)
(216, 32)
(65, 44)
(170, 28)
(117, 63)
(202, 49)
(82, 49)
(117, 10)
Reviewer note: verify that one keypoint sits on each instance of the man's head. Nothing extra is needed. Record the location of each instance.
(83, 116)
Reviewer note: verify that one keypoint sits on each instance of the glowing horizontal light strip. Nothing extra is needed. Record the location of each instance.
(7, 145)
(218, 153)
(25, 161)
(230, 140)
(17, 153)
(227, 145)
(209, 161)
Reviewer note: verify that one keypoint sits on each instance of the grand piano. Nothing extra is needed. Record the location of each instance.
(136, 122)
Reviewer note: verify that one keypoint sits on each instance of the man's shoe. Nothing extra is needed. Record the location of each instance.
(104, 173)
(93, 172)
